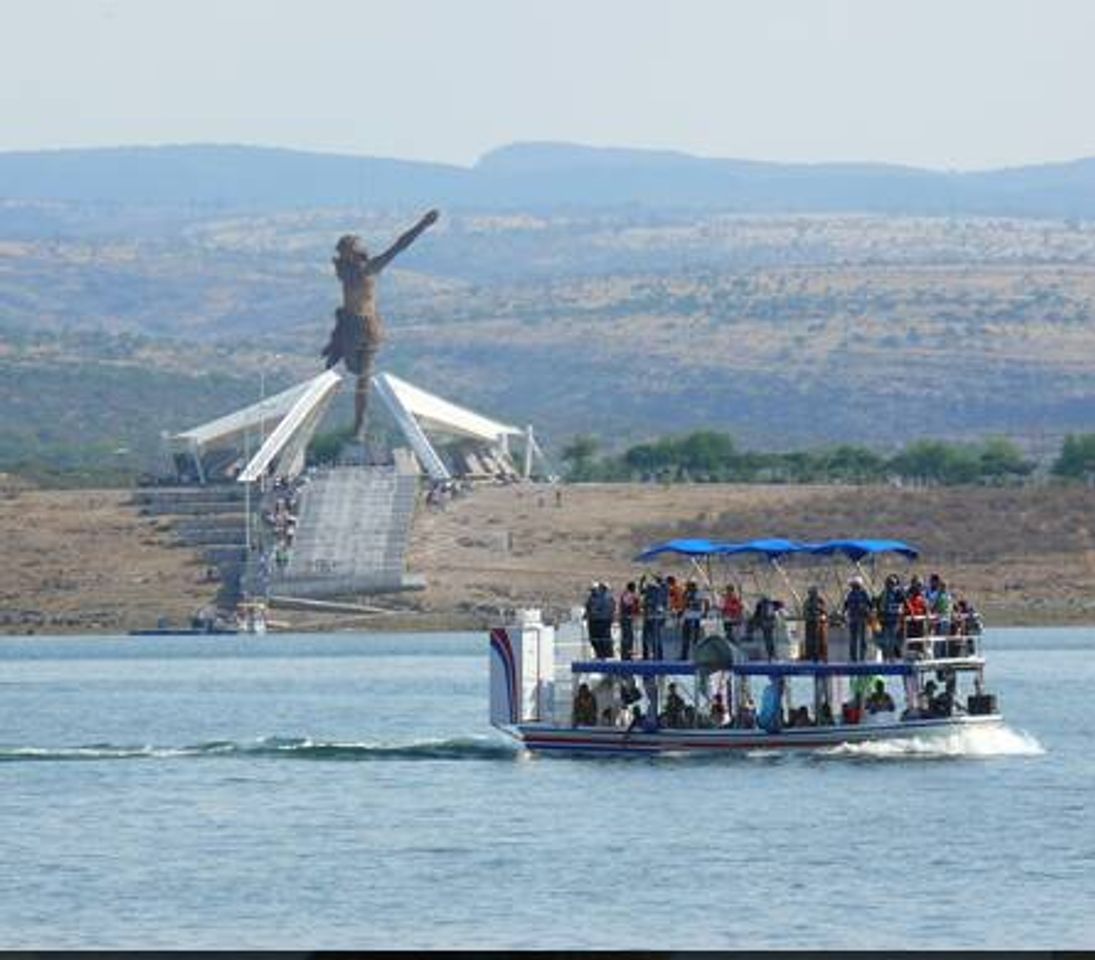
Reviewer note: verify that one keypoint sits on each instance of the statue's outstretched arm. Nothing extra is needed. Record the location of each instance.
(382, 260)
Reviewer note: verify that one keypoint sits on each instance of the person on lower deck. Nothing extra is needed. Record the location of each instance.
(880, 700)
(629, 691)
(746, 717)
(674, 708)
(816, 621)
(585, 707)
(799, 717)
(857, 611)
(945, 703)
(718, 710)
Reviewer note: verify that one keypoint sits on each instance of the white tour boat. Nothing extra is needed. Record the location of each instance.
(549, 692)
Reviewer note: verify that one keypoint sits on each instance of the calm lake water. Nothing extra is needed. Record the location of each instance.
(346, 791)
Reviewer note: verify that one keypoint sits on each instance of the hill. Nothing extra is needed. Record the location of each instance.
(622, 293)
(534, 176)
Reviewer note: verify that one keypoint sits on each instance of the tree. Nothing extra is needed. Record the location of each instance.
(1077, 459)
(579, 455)
(1000, 458)
(705, 451)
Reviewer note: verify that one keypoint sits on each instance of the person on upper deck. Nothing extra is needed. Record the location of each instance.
(816, 620)
(654, 600)
(857, 611)
(600, 609)
(966, 621)
(733, 612)
(932, 589)
(695, 608)
(889, 604)
(676, 596)
(914, 613)
(940, 606)
(629, 610)
(764, 619)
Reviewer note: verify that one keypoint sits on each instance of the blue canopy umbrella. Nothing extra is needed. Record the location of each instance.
(773, 548)
(856, 550)
(684, 548)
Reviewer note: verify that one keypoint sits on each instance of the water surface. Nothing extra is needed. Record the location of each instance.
(346, 791)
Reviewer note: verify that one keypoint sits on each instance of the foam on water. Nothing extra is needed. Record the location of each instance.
(967, 742)
(298, 748)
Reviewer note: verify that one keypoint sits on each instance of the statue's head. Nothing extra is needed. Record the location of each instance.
(350, 245)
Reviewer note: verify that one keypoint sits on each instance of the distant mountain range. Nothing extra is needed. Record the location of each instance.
(535, 177)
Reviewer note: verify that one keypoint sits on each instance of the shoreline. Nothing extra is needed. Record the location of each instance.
(86, 563)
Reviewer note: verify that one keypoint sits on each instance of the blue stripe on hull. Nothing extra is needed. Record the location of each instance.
(619, 742)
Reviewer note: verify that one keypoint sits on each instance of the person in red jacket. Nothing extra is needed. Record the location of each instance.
(915, 611)
(733, 612)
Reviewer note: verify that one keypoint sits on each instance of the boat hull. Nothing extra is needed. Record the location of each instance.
(542, 737)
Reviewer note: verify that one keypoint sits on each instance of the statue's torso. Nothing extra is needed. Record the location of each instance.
(359, 294)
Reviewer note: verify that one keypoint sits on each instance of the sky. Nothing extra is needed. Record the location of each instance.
(945, 84)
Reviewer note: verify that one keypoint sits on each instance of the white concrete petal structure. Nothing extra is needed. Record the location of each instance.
(296, 413)
(416, 412)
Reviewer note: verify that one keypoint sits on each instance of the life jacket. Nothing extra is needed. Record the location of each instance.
(916, 605)
(892, 603)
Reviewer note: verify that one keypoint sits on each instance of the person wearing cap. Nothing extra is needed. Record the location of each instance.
(857, 611)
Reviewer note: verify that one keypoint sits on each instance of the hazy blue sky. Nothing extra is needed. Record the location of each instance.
(939, 83)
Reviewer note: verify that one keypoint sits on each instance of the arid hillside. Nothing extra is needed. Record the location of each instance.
(784, 331)
(85, 562)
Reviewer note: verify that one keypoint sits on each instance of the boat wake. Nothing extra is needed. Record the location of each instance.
(995, 741)
(290, 748)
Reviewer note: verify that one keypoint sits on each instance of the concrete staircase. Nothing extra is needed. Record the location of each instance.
(352, 533)
(209, 518)
(353, 527)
